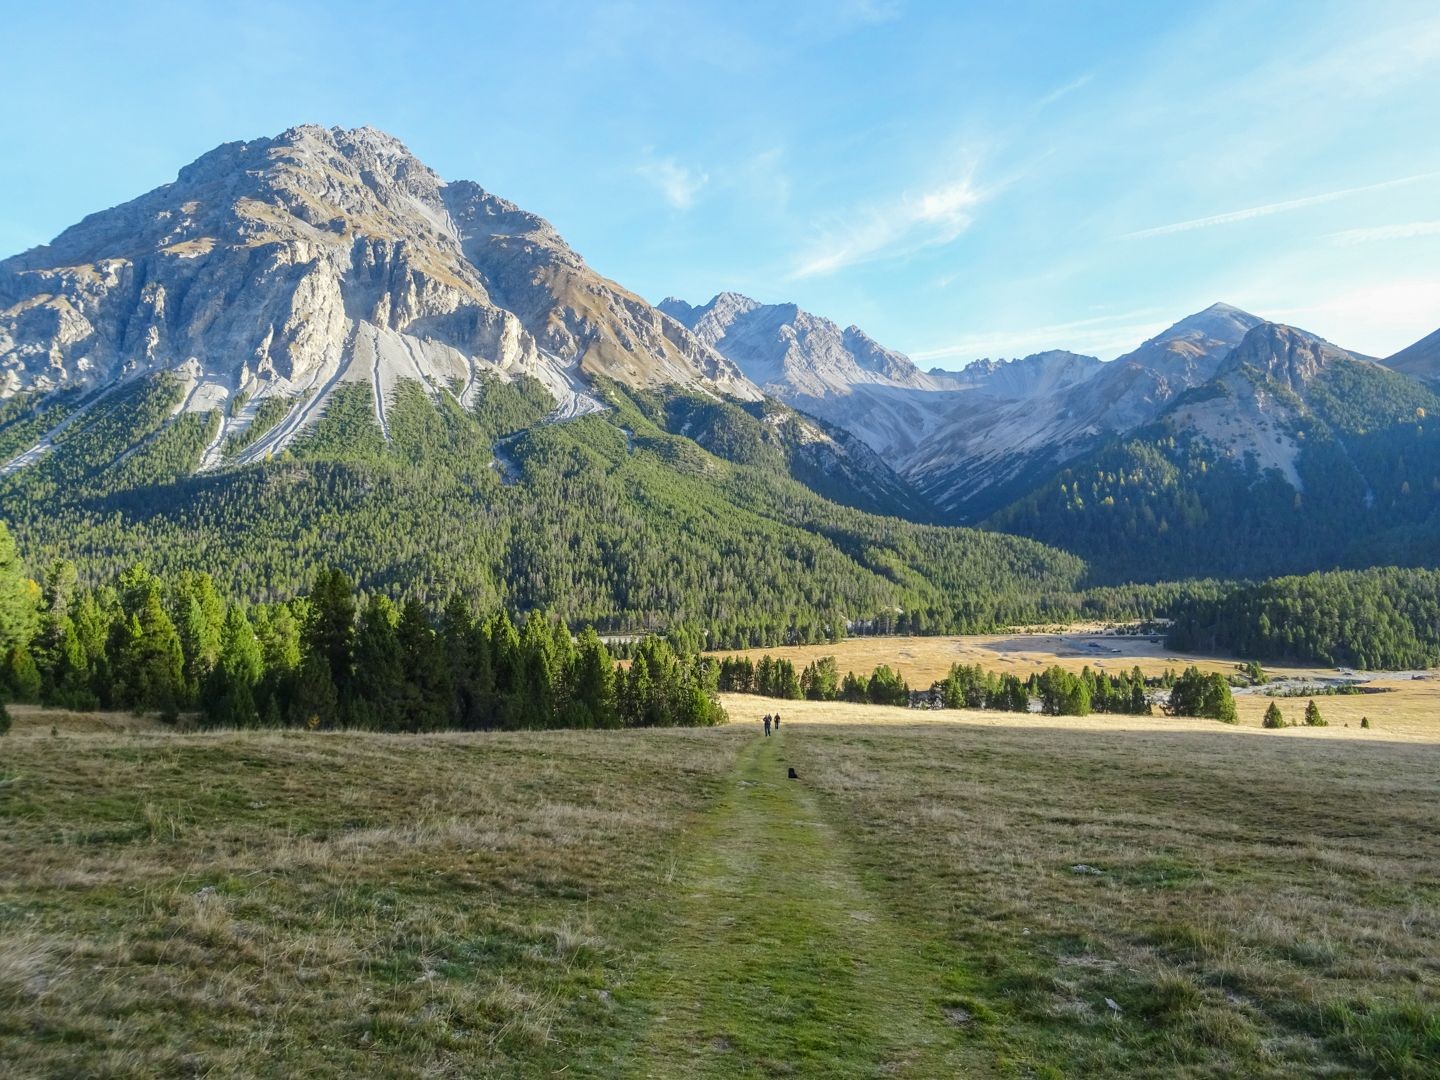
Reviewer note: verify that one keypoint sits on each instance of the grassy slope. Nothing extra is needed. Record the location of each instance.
(1266, 906)
(312, 905)
(663, 903)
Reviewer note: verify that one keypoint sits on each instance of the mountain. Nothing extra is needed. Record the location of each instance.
(283, 268)
(841, 376)
(1421, 360)
(989, 450)
(311, 350)
(1297, 455)
(790, 352)
(1027, 377)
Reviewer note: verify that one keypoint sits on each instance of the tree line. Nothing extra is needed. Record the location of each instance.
(1055, 691)
(322, 660)
(1381, 618)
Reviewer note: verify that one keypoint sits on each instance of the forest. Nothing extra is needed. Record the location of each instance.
(610, 520)
(322, 661)
(1386, 617)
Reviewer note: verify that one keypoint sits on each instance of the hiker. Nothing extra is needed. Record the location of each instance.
(777, 721)
(767, 723)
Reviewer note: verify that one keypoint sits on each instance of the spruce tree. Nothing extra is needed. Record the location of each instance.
(1313, 717)
(1273, 717)
(428, 692)
(229, 696)
(380, 676)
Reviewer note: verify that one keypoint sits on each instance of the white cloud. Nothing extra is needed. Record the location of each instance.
(1272, 208)
(678, 183)
(1063, 91)
(902, 227)
(1403, 231)
(1378, 319)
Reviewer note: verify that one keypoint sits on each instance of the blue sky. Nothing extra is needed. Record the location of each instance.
(960, 179)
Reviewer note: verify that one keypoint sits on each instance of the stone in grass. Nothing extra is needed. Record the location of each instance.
(1083, 868)
(1113, 1005)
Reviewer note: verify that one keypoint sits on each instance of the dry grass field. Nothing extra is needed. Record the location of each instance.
(938, 894)
(1395, 703)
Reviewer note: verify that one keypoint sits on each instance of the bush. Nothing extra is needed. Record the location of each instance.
(1365, 722)
(4, 718)
(1313, 717)
(1273, 717)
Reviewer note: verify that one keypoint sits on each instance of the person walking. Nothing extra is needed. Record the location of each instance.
(777, 723)
(767, 724)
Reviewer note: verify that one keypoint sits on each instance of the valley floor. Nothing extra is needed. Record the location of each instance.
(1399, 704)
(948, 894)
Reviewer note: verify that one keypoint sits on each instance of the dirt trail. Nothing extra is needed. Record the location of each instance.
(778, 960)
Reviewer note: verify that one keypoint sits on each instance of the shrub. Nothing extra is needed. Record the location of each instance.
(1365, 722)
(1313, 717)
(1273, 717)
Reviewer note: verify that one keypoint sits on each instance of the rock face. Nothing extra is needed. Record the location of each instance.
(968, 440)
(1259, 393)
(289, 265)
(792, 353)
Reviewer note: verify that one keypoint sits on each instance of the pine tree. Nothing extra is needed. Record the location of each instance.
(17, 596)
(229, 696)
(428, 691)
(330, 628)
(593, 701)
(1313, 717)
(1273, 717)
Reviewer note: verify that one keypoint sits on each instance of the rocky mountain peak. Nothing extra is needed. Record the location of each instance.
(1284, 354)
(793, 352)
(288, 265)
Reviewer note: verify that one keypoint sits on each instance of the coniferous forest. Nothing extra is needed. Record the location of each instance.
(322, 660)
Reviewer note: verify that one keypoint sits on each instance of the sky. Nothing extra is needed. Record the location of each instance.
(959, 179)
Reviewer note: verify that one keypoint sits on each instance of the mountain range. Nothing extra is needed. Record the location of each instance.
(322, 310)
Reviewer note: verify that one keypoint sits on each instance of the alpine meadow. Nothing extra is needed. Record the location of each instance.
(424, 653)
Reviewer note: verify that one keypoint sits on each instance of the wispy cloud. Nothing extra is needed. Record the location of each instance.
(902, 227)
(1404, 231)
(1063, 91)
(679, 184)
(1103, 335)
(1273, 208)
(867, 12)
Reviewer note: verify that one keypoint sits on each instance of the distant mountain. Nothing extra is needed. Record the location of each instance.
(1421, 360)
(841, 376)
(987, 452)
(1039, 373)
(1297, 455)
(790, 352)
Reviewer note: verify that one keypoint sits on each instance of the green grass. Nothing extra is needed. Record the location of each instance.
(665, 903)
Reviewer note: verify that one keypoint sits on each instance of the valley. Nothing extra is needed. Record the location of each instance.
(379, 580)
